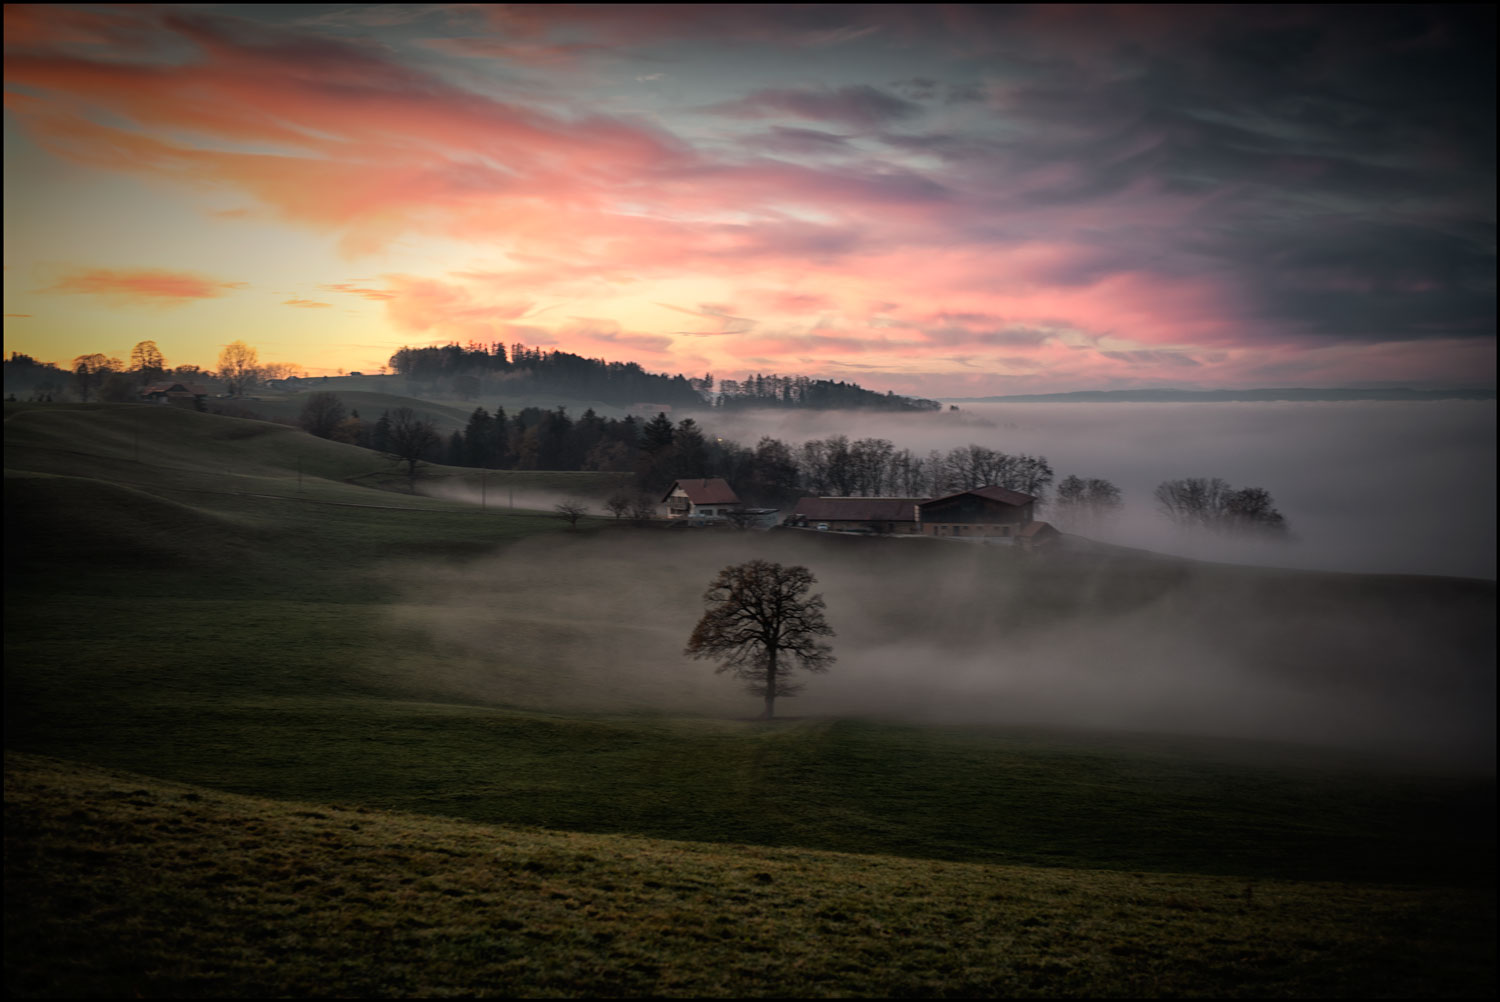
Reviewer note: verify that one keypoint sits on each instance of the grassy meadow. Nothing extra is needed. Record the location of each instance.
(274, 725)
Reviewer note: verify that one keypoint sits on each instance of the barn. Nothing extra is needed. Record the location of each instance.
(983, 512)
(896, 516)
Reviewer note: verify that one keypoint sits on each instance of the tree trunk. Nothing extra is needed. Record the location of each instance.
(770, 684)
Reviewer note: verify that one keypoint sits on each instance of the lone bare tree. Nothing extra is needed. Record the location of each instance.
(409, 440)
(239, 367)
(570, 512)
(761, 624)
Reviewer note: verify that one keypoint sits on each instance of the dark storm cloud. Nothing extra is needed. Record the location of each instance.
(1344, 158)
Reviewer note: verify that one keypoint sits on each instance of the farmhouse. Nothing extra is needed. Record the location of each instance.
(883, 515)
(981, 512)
(704, 498)
(162, 393)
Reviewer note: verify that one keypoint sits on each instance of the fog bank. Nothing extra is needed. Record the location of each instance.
(1394, 487)
(938, 632)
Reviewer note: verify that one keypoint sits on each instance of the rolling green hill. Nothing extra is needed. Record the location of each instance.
(241, 607)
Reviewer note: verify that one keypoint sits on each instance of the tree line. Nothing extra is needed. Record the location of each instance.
(468, 371)
(97, 376)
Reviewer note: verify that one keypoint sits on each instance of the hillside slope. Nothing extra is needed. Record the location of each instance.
(126, 886)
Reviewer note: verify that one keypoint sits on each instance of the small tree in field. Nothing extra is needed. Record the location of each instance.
(570, 512)
(760, 625)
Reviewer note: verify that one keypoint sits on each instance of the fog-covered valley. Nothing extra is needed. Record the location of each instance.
(1380, 487)
(934, 632)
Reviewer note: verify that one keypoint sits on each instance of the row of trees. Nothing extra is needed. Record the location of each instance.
(97, 376)
(818, 394)
(469, 370)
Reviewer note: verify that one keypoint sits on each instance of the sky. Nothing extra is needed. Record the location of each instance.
(943, 200)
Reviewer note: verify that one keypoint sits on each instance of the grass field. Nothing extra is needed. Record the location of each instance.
(446, 674)
(206, 893)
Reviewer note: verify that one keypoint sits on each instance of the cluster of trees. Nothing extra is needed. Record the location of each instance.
(659, 451)
(817, 394)
(1210, 503)
(97, 376)
(1086, 505)
(468, 370)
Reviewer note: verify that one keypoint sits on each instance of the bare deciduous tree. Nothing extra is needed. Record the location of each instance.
(410, 440)
(760, 625)
(619, 503)
(571, 512)
(239, 367)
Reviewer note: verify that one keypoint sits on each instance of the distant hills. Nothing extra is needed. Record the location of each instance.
(1225, 396)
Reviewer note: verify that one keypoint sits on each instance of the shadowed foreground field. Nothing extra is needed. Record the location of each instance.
(121, 885)
(229, 604)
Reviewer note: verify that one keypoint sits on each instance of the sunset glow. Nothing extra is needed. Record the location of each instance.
(949, 201)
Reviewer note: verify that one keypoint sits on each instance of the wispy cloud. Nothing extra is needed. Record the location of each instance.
(143, 286)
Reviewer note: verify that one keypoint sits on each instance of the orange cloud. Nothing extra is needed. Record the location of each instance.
(304, 303)
(143, 286)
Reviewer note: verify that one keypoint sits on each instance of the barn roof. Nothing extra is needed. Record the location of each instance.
(712, 490)
(858, 509)
(1038, 529)
(1002, 494)
(174, 387)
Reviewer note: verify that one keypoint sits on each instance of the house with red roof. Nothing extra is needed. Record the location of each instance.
(710, 497)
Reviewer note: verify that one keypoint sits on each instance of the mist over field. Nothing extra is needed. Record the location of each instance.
(943, 633)
(1382, 487)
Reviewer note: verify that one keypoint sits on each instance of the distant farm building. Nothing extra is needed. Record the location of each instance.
(705, 498)
(893, 516)
(1037, 535)
(166, 393)
(978, 513)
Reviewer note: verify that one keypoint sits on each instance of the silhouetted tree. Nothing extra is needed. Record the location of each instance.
(410, 440)
(239, 367)
(619, 503)
(88, 374)
(570, 512)
(761, 624)
(146, 361)
(321, 414)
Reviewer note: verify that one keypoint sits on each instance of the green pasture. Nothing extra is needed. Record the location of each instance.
(240, 607)
(121, 885)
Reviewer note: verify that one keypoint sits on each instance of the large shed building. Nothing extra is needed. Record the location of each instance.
(883, 515)
(982, 511)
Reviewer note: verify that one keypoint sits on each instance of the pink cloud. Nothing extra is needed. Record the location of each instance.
(304, 303)
(143, 286)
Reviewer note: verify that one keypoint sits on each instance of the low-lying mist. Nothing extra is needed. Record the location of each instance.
(933, 631)
(1404, 487)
